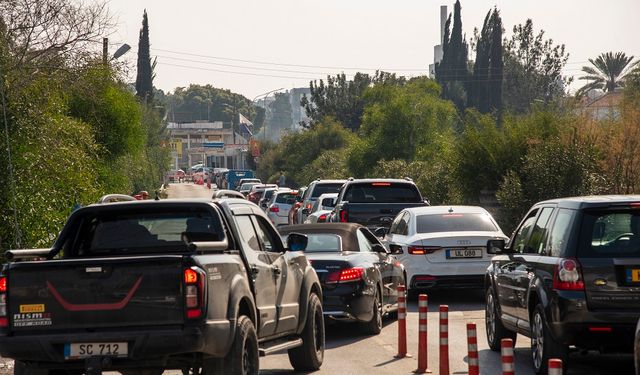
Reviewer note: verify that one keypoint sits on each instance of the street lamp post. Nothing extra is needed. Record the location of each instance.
(264, 101)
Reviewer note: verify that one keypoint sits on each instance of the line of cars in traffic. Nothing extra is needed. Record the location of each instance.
(568, 278)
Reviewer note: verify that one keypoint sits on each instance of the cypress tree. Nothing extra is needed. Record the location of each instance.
(496, 64)
(144, 78)
(452, 72)
(478, 93)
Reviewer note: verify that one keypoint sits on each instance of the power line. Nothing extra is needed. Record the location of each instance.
(232, 72)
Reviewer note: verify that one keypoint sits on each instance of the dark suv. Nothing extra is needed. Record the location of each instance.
(569, 277)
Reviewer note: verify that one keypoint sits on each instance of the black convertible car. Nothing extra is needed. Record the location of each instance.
(359, 277)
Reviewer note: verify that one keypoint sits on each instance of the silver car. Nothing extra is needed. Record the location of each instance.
(321, 208)
(279, 206)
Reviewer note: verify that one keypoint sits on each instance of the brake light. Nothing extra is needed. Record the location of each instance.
(274, 209)
(422, 250)
(567, 275)
(322, 217)
(345, 275)
(344, 216)
(4, 321)
(380, 184)
(194, 292)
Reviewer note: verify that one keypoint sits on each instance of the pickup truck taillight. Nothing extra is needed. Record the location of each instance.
(567, 275)
(194, 280)
(4, 322)
(344, 216)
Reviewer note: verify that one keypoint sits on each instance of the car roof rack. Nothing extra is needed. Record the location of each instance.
(408, 178)
(111, 198)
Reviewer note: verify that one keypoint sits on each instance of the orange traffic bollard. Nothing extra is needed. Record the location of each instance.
(423, 362)
(555, 366)
(472, 345)
(506, 349)
(402, 323)
(444, 340)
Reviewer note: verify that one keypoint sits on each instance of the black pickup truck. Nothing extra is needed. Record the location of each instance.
(375, 202)
(201, 286)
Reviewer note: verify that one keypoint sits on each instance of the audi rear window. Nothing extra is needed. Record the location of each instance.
(382, 192)
(128, 233)
(455, 222)
(610, 233)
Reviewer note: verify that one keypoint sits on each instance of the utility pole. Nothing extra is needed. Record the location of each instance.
(105, 50)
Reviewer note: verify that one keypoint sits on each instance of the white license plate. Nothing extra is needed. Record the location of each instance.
(91, 349)
(464, 253)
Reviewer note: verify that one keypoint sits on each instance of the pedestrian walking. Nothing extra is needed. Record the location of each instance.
(281, 179)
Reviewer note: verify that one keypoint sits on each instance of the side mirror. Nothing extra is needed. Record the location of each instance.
(297, 242)
(305, 211)
(328, 202)
(496, 246)
(377, 248)
(381, 232)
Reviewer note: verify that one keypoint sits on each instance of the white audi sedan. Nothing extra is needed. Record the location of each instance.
(443, 246)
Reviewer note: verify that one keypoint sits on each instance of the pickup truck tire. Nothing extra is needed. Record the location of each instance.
(543, 345)
(243, 357)
(374, 326)
(496, 331)
(309, 356)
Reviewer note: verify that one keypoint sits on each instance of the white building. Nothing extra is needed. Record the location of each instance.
(212, 143)
(437, 50)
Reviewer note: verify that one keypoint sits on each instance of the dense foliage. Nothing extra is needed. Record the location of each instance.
(71, 129)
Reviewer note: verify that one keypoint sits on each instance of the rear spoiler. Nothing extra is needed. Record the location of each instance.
(27, 254)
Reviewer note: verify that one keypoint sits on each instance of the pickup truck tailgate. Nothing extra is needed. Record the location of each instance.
(95, 293)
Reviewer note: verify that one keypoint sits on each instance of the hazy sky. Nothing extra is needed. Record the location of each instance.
(272, 44)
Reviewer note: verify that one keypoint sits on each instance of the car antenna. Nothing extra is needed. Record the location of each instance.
(450, 209)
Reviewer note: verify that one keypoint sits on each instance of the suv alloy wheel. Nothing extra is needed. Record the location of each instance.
(495, 330)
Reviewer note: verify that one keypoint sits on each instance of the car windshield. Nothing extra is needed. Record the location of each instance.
(382, 192)
(125, 233)
(455, 222)
(610, 234)
(321, 242)
(325, 188)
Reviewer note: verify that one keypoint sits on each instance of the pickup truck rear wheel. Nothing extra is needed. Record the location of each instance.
(309, 356)
(243, 357)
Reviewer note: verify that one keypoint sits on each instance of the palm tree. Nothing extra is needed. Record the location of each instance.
(607, 72)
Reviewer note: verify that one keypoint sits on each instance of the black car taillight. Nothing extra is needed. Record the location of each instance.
(194, 292)
(567, 275)
(4, 321)
(345, 275)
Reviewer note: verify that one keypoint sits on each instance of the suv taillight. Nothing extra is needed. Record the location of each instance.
(194, 292)
(4, 321)
(567, 275)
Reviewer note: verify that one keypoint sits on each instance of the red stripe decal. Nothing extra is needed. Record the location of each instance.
(94, 306)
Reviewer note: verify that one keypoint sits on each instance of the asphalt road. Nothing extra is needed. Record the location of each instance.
(350, 352)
